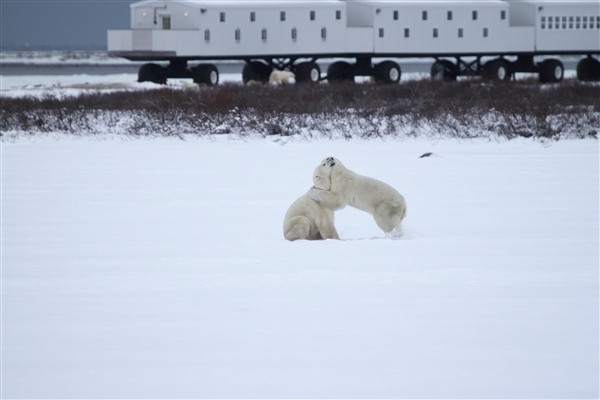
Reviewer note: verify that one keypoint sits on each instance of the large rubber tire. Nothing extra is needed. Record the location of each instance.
(551, 71)
(307, 72)
(588, 69)
(152, 73)
(340, 71)
(256, 71)
(444, 70)
(497, 70)
(387, 72)
(206, 74)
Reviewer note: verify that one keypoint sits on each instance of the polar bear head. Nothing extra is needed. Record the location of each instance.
(336, 172)
(322, 174)
(328, 171)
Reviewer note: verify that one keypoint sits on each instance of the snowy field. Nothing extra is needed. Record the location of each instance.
(157, 268)
(74, 84)
(40, 85)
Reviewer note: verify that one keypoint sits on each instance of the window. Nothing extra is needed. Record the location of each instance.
(165, 22)
(323, 33)
(263, 34)
(474, 15)
(503, 14)
(571, 22)
(543, 22)
(294, 34)
(396, 15)
(556, 22)
(381, 32)
(252, 16)
(564, 23)
(435, 32)
(550, 23)
(338, 14)
(313, 15)
(282, 16)
(577, 22)
(449, 16)
(424, 15)
(460, 32)
(222, 16)
(584, 26)
(486, 32)
(238, 35)
(406, 32)
(598, 22)
(207, 35)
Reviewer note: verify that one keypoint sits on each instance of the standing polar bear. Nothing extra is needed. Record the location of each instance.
(307, 219)
(379, 199)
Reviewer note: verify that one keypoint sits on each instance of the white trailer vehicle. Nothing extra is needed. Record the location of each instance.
(492, 38)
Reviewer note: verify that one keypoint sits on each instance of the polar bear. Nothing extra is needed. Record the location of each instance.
(278, 77)
(379, 199)
(307, 219)
(189, 85)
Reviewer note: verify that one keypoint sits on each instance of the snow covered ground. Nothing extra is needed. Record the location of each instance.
(157, 268)
(39, 85)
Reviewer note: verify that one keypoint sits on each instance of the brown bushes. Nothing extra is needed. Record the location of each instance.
(460, 109)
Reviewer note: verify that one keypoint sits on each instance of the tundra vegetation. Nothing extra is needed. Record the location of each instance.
(417, 108)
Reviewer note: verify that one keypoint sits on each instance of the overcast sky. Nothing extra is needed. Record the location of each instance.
(78, 24)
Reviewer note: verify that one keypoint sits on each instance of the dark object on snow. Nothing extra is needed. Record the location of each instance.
(426, 155)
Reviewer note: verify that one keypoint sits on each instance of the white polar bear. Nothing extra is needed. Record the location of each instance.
(189, 85)
(278, 77)
(307, 219)
(379, 199)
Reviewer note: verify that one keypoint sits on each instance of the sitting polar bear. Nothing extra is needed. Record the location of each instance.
(379, 199)
(306, 219)
(278, 77)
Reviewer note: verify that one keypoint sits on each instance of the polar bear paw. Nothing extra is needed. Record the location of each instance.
(316, 194)
(395, 234)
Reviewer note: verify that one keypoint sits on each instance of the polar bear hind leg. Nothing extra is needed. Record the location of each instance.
(299, 228)
(389, 218)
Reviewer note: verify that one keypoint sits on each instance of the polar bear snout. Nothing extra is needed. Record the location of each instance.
(330, 161)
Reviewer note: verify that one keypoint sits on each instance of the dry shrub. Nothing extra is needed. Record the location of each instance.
(457, 109)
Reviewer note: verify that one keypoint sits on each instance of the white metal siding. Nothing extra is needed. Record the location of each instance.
(359, 40)
(553, 36)
(240, 36)
(359, 14)
(366, 26)
(120, 40)
(437, 34)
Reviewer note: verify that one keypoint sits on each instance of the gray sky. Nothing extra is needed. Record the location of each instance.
(77, 24)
